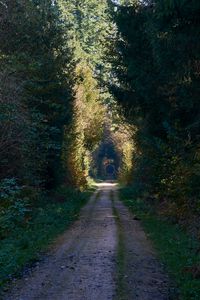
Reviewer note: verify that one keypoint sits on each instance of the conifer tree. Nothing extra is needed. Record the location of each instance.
(156, 60)
(35, 58)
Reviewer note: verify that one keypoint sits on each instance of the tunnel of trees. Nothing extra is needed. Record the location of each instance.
(95, 88)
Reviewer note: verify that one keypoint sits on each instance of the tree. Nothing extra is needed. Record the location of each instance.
(34, 55)
(86, 129)
(155, 64)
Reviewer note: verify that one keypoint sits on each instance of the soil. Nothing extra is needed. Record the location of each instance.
(104, 255)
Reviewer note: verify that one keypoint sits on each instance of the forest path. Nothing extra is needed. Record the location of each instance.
(104, 255)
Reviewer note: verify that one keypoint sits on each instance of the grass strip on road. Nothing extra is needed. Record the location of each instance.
(121, 284)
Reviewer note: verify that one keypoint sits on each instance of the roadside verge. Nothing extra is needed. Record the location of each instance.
(176, 249)
(26, 245)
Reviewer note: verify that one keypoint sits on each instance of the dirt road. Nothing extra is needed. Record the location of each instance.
(105, 255)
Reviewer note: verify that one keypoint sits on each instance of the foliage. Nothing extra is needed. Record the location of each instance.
(14, 207)
(90, 26)
(122, 134)
(86, 128)
(156, 71)
(92, 31)
(34, 91)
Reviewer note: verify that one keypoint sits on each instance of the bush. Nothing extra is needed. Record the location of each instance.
(14, 208)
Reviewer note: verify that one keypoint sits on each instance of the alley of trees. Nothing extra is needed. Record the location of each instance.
(98, 90)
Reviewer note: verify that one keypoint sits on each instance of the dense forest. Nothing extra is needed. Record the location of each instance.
(90, 87)
(156, 62)
(54, 101)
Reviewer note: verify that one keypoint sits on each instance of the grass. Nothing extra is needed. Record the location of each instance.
(121, 286)
(24, 245)
(177, 250)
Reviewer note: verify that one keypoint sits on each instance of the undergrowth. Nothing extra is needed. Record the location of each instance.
(177, 250)
(24, 245)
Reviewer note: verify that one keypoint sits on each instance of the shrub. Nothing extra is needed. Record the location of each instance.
(14, 208)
